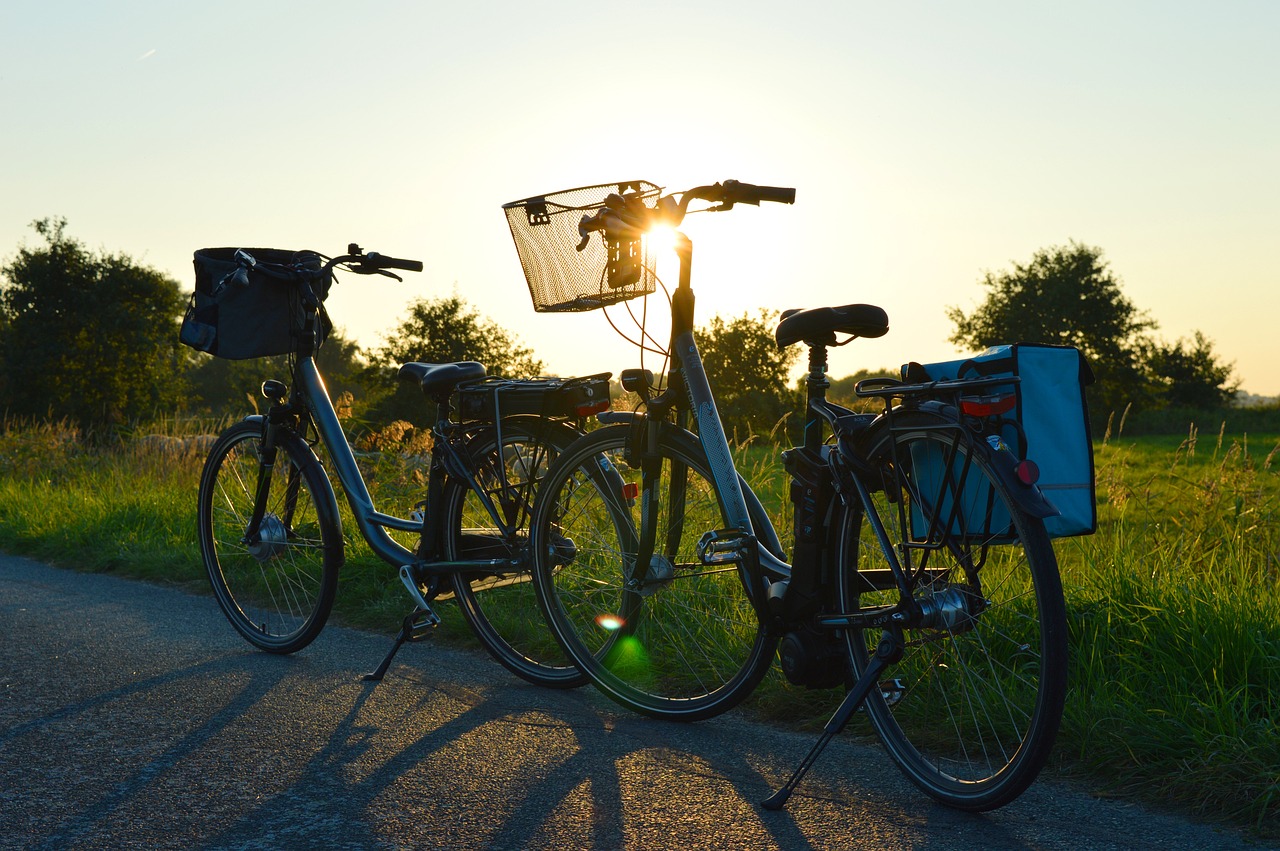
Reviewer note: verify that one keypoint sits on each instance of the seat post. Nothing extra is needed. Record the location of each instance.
(444, 410)
(815, 385)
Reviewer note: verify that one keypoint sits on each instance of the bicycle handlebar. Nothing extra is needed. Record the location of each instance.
(382, 261)
(628, 217)
(356, 260)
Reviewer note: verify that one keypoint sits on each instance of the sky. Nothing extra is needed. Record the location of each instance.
(929, 143)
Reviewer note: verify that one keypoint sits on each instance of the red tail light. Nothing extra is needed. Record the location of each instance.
(988, 406)
(590, 408)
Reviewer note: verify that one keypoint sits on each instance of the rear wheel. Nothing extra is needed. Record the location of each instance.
(662, 634)
(971, 711)
(500, 605)
(275, 586)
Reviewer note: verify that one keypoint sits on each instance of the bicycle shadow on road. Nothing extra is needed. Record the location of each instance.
(427, 763)
(250, 750)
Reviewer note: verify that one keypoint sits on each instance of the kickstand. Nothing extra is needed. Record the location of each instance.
(416, 626)
(888, 651)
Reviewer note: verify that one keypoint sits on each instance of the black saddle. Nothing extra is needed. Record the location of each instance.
(439, 379)
(819, 326)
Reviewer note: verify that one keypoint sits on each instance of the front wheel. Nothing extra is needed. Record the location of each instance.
(276, 584)
(971, 711)
(618, 577)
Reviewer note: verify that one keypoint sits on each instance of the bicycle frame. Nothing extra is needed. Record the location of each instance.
(690, 377)
(309, 387)
(311, 391)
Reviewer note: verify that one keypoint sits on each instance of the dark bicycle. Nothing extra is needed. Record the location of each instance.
(922, 578)
(269, 525)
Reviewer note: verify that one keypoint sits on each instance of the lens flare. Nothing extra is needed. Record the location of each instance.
(629, 659)
(610, 623)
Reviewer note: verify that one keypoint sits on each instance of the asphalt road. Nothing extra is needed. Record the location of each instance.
(132, 716)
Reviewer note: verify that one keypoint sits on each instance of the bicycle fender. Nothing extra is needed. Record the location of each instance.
(1029, 497)
(618, 417)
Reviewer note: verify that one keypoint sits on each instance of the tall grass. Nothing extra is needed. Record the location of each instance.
(1175, 619)
(1173, 606)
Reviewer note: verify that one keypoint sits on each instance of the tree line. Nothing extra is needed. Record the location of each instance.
(1065, 295)
(91, 337)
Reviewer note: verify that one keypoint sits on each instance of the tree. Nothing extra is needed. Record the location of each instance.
(1067, 295)
(1189, 376)
(748, 373)
(440, 331)
(89, 337)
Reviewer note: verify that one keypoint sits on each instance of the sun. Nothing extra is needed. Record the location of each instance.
(661, 240)
(660, 244)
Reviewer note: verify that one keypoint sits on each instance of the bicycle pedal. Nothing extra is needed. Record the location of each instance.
(420, 625)
(892, 691)
(724, 546)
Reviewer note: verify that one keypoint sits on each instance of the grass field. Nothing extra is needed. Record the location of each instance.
(1174, 605)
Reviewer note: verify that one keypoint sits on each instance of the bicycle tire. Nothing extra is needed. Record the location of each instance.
(277, 591)
(688, 643)
(502, 610)
(971, 711)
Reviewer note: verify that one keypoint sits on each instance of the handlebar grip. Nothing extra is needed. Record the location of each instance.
(749, 193)
(382, 261)
(778, 194)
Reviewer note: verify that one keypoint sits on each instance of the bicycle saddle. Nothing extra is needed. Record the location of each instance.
(818, 326)
(437, 378)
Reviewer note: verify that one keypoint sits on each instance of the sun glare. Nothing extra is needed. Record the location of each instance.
(660, 244)
(661, 240)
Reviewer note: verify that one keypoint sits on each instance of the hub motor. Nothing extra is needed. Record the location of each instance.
(272, 539)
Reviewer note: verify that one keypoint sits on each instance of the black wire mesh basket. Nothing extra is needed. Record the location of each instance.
(562, 278)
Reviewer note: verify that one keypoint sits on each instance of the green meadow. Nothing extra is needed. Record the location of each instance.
(1174, 605)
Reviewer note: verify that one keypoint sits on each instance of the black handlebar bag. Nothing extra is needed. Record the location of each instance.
(251, 314)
